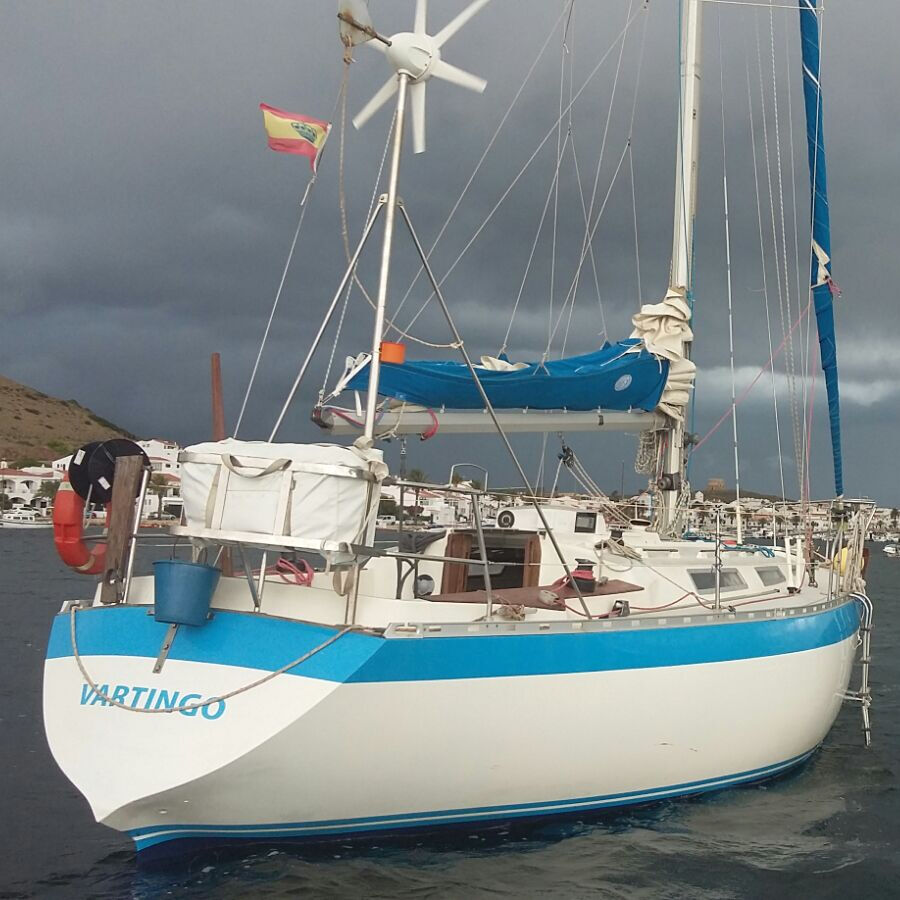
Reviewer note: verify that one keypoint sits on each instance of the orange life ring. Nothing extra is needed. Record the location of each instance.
(68, 516)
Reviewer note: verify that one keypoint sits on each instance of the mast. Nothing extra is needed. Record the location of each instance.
(681, 272)
(415, 57)
(381, 299)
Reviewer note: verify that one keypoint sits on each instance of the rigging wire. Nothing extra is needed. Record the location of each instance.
(559, 133)
(637, 246)
(571, 135)
(342, 90)
(570, 294)
(734, 422)
(765, 284)
(619, 37)
(539, 478)
(588, 232)
(769, 362)
(584, 213)
(630, 148)
(796, 417)
(342, 202)
(534, 244)
(481, 160)
(804, 349)
(560, 147)
(345, 235)
(789, 371)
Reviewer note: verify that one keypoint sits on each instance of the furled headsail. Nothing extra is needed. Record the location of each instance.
(664, 329)
(821, 284)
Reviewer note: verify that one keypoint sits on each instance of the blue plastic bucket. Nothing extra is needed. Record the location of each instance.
(184, 591)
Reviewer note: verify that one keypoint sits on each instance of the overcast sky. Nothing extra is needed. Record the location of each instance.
(144, 223)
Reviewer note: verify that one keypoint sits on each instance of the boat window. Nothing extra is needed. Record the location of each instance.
(729, 580)
(770, 575)
(585, 523)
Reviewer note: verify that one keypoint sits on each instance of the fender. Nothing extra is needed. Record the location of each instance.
(68, 517)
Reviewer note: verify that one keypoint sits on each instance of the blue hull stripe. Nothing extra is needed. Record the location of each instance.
(152, 835)
(259, 642)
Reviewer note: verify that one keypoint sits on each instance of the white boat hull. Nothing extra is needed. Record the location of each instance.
(393, 733)
(29, 526)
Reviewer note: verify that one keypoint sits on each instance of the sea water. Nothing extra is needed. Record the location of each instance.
(830, 829)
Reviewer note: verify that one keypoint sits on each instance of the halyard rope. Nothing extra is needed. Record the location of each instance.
(765, 284)
(484, 154)
(188, 707)
(515, 180)
(342, 92)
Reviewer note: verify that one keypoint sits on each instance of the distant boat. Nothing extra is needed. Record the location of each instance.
(23, 518)
(891, 549)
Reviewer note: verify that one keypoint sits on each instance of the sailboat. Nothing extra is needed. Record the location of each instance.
(561, 662)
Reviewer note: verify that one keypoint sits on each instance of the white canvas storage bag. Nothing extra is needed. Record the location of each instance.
(319, 495)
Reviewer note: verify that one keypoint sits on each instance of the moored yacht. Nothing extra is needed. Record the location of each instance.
(298, 679)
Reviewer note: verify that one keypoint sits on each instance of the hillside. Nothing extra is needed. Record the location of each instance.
(37, 427)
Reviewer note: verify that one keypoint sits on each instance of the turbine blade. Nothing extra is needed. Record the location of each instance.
(454, 25)
(384, 93)
(446, 72)
(417, 102)
(421, 14)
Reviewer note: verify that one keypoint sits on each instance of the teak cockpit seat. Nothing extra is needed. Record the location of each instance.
(535, 597)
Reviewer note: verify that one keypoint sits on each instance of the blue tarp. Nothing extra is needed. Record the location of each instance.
(821, 227)
(609, 378)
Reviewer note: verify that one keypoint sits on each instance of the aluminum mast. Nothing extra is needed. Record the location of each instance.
(681, 272)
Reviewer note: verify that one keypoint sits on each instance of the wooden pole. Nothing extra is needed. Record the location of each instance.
(218, 434)
(120, 526)
(218, 406)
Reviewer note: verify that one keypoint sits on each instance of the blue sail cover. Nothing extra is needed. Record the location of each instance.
(820, 276)
(615, 377)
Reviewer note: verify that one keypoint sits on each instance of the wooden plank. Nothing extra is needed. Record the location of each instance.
(455, 575)
(121, 522)
(532, 572)
(218, 407)
(218, 434)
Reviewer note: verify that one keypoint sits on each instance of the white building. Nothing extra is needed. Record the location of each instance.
(22, 487)
(163, 455)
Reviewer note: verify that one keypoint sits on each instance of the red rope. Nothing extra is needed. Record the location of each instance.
(302, 575)
(431, 431)
(762, 371)
(288, 571)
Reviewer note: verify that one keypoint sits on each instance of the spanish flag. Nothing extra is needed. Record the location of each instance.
(292, 133)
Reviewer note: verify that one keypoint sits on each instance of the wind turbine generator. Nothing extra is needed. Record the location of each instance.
(417, 55)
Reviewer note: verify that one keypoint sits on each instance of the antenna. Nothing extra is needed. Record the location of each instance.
(417, 54)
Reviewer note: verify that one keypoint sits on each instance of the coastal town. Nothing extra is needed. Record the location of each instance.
(27, 492)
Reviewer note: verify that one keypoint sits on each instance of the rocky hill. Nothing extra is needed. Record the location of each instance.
(35, 427)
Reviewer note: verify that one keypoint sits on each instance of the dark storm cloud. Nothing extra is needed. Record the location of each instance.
(144, 223)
